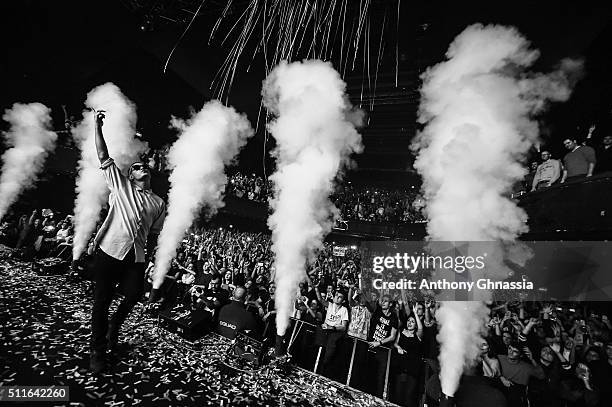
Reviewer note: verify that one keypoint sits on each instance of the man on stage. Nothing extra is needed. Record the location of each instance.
(134, 220)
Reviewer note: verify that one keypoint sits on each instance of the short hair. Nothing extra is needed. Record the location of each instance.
(515, 344)
(215, 276)
(239, 293)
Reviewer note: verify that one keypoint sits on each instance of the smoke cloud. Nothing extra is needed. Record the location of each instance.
(30, 140)
(119, 133)
(461, 326)
(479, 109)
(207, 143)
(315, 135)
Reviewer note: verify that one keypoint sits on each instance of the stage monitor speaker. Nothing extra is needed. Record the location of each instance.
(187, 323)
(247, 349)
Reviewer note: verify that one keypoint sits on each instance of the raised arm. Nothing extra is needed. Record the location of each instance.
(352, 302)
(100, 143)
(320, 297)
(419, 323)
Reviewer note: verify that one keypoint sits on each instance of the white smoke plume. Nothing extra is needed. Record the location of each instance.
(315, 135)
(461, 325)
(30, 140)
(119, 133)
(207, 143)
(478, 107)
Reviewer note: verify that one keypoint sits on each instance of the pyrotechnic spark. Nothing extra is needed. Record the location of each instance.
(287, 31)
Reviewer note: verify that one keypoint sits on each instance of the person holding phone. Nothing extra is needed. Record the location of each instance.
(578, 390)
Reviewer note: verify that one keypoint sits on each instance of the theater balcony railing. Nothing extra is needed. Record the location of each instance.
(245, 208)
(580, 210)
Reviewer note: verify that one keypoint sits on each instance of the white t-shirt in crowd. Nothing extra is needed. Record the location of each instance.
(336, 314)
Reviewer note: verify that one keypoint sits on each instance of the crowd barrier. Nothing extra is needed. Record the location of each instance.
(355, 364)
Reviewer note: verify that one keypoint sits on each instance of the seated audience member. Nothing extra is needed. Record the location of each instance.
(234, 318)
(547, 173)
(579, 162)
(604, 155)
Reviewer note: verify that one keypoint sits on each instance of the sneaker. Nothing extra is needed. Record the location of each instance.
(96, 362)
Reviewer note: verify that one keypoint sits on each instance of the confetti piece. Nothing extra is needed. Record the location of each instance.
(50, 329)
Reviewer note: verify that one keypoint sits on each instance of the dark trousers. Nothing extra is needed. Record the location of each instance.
(516, 395)
(108, 272)
(378, 360)
(328, 339)
(404, 390)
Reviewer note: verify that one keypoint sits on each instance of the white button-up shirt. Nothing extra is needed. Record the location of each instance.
(134, 213)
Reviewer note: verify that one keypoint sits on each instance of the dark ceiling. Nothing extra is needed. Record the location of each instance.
(55, 52)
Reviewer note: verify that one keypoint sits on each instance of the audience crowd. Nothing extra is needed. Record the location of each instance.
(355, 202)
(583, 160)
(39, 234)
(359, 203)
(404, 205)
(535, 354)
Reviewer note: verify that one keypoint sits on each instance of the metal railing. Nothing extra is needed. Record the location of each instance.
(346, 351)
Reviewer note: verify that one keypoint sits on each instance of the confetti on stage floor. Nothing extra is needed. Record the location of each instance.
(44, 333)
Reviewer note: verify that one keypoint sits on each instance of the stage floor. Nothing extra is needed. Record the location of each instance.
(44, 333)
